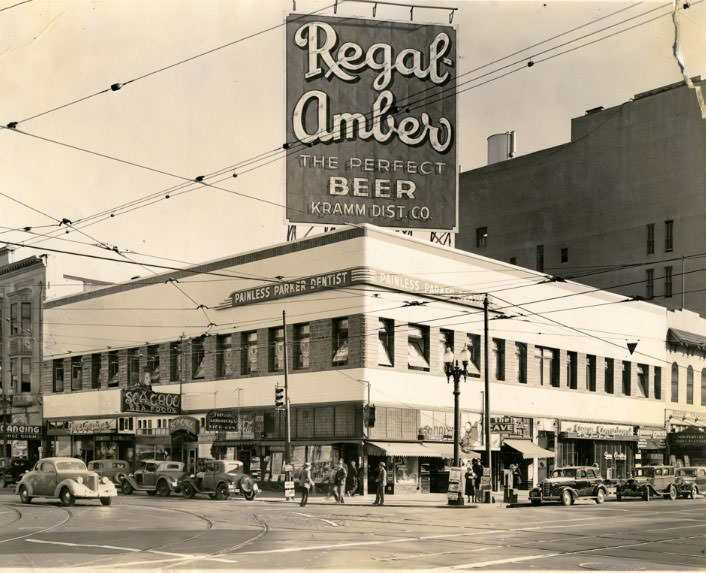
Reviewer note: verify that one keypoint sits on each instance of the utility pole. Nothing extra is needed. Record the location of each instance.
(288, 436)
(182, 372)
(486, 409)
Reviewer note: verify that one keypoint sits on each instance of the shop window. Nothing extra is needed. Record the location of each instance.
(276, 347)
(590, 373)
(609, 376)
(473, 345)
(521, 360)
(418, 347)
(340, 341)
(386, 342)
(703, 387)
(675, 383)
(76, 373)
(446, 340)
(302, 339)
(96, 370)
(198, 358)
(668, 236)
(499, 358)
(667, 282)
(58, 375)
(175, 358)
(224, 345)
(650, 238)
(113, 368)
(572, 370)
(249, 345)
(133, 367)
(657, 374)
(643, 378)
(152, 366)
(689, 385)
(626, 377)
(26, 375)
(650, 284)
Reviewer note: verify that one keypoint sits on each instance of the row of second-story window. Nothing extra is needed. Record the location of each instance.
(668, 237)
(689, 384)
(20, 318)
(650, 283)
(20, 374)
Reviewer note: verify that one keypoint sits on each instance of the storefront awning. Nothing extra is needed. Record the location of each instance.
(529, 449)
(447, 451)
(402, 449)
(687, 339)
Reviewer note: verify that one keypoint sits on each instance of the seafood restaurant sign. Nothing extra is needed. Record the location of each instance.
(371, 114)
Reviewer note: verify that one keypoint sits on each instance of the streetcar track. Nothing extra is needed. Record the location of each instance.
(39, 531)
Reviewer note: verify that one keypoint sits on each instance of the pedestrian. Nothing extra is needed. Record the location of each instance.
(305, 483)
(478, 471)
(360, 477)
(340, 481)
(470, 483)
(352, 480)
(516, 476)
(381, 480)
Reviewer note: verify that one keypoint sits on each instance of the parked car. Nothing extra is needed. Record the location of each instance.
(647, 481)
(65, 478)
(691, 480)
(11, 470)
(155, 477)
(114, 470)
(220, 479)
(569, 484)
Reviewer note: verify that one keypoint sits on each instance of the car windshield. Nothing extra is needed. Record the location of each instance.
(564, 472)
(72, 466)
(686, 472)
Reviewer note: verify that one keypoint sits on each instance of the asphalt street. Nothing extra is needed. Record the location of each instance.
(423, 533)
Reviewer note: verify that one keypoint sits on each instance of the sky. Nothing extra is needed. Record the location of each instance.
(203, 91)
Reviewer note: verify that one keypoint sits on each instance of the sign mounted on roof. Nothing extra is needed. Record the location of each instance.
(371, 115)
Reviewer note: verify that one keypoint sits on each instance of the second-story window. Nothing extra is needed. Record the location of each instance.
(113, 368)
(26, 318)
(540, 258)
(340, 341)
(175, 369)
(76, 373)
(667, 282)
(499, 358)
(386, 341)
(668, 236)
(609, 376)
(565, 254)
(302, 338)
(675, 383)
(276, 349)
(626, 377)
(650, 238)
(58, 375)
(650, 293)
(418, 347)
(572, 370)
(658, 382)
(224, 346)
(481, 237)
(249, 352)
(473, 345)
(14, 319)
(446, 340)
(152, 366)
(590, 373)
(643, 380)
(521, 359)
(690, 385)
(96, 370)
(198, 358)
(133, 367)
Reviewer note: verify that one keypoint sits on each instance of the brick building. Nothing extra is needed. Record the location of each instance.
(620, 207)
(369, 314)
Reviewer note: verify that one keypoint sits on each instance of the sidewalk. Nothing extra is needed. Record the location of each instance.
(397, 500)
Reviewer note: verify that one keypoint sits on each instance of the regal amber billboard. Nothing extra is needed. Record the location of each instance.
(371, 116)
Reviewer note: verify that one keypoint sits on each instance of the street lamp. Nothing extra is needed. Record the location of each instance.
(452, 369)
(6, 397)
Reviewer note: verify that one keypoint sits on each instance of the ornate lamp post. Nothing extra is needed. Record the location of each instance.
(452, 370)
(6, 397)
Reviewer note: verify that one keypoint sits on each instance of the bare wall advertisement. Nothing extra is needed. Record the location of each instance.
(371, 118)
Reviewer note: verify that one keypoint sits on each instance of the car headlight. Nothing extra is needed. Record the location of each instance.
(104, 479)
(79, 479)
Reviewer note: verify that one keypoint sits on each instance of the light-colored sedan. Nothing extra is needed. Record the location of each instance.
(67, 479)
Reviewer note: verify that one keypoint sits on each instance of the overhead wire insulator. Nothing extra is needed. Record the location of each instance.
(115, 87)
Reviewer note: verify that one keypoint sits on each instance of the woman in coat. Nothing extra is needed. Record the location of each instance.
(470, 478)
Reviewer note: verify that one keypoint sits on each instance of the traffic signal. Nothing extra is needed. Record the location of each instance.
(371, 416)
(279, 397)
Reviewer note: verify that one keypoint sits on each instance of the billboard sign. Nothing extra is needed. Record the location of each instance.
(371, 117)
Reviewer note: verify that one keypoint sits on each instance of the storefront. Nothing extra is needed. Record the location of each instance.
(651, 446)
(24, 440)
(610, 446)
(688, 447)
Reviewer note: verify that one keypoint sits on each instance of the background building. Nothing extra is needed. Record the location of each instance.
(620, 207)
(369, 314)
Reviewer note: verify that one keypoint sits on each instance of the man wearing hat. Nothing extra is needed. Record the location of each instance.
(306, 483)
(381, 482)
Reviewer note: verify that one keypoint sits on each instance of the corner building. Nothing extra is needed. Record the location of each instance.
(140, 369)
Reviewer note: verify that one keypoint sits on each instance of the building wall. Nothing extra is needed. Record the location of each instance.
(626, 167)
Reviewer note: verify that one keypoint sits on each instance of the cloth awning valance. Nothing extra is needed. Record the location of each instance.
(447, 451)
(529, 449)
(684, 338)
(402, 449)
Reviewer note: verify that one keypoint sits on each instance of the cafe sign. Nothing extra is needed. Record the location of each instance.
(220, 421)
(20, 432)
(691, 438)
(96, 426)
(146, 401)
(511, 426)
(596, 431)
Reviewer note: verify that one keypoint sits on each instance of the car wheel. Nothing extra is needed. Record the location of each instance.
(119, 479)
(66, 497)
(127, 488)
(646, 494)
(189, 490)
(672, 493)
(163, 489)
(106, 500)
(566, 497)
(222, 491)
(692, 493)
(24, 495)
(536, 502)
(600, 496)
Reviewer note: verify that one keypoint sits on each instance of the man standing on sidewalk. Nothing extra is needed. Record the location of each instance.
(340, 481)
(306, 483)
(381, 483)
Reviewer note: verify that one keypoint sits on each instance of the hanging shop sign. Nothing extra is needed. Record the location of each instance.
(596, 431)
(221, 421)
(371, 115)
(187, 424)
(511, 426)
(142, 400)
(691, 438)
(96, 426)
(20, 432)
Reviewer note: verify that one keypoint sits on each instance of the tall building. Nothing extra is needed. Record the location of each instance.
(620, 207)
(22, 290)
(356, 323)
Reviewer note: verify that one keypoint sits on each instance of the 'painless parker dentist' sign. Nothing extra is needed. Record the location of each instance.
(371, 114)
